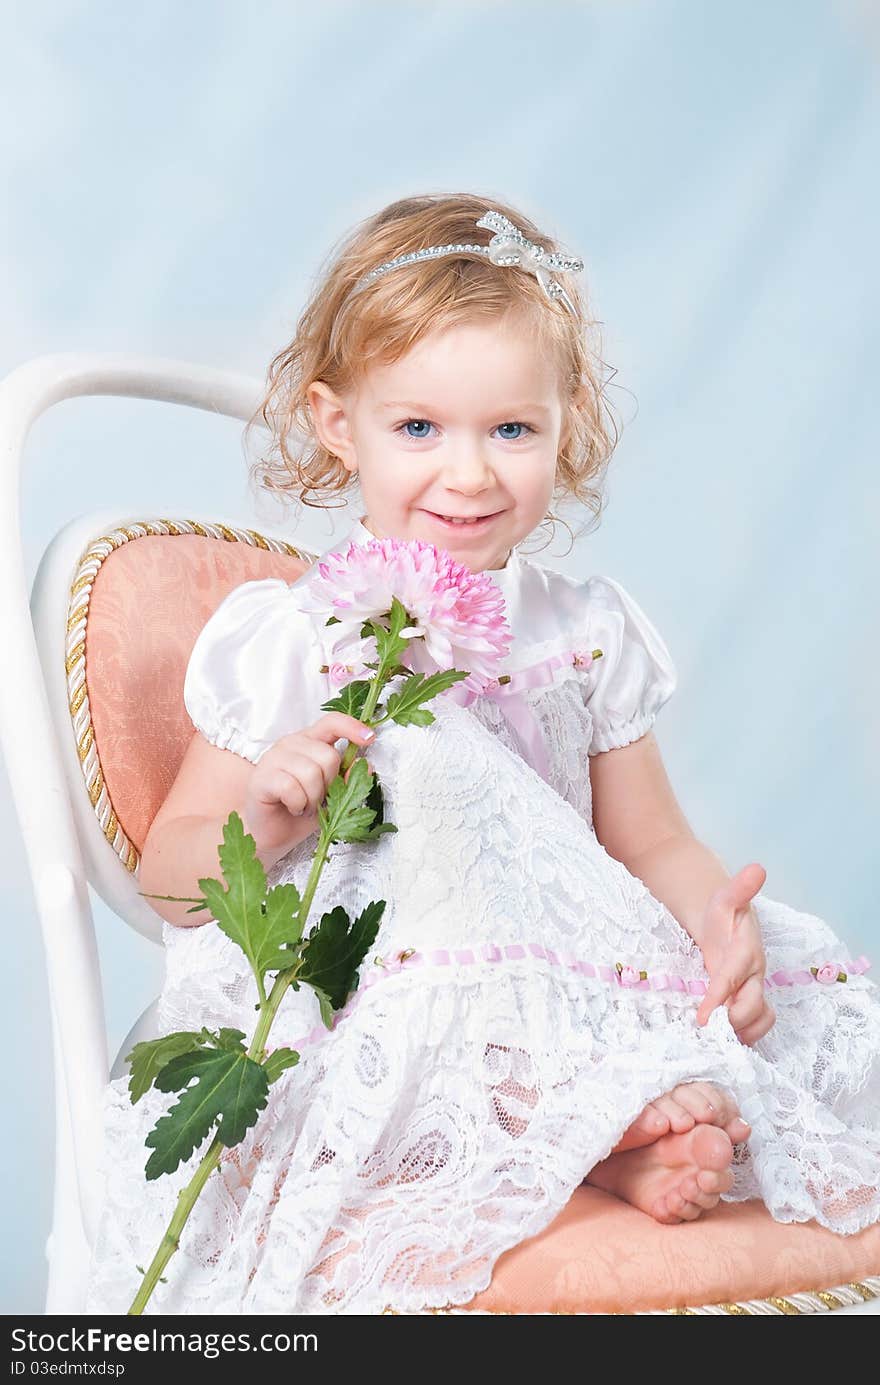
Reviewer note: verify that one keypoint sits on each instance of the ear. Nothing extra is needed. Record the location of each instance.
(581, 395)
(331, 422)
(578, 398)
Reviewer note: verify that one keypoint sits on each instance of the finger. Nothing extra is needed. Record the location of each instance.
(282, 787)
(308, 781)
(699, 1099)
(326, 756)
(721, 986)
(652, 1120)
(351, 767)
(334, 726)
(747, 1003)
(679, 1118)
(743, 886)
(753, 1032)
(316, 752)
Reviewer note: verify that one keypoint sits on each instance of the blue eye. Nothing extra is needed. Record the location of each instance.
(424, 422)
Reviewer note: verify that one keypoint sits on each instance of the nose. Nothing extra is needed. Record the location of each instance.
(468, 472)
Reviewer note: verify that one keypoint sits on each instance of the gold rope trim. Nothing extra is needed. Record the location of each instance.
(797, 1305)
(79, 595)
(863, 1290)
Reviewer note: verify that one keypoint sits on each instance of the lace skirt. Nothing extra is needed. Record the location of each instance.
(467, 1090)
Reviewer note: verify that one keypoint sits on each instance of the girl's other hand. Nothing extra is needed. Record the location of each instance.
(734, 956)
(291, 780)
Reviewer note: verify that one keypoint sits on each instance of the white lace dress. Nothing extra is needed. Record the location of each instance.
(465, 1093)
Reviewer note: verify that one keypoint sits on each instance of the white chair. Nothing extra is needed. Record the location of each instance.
(85, 799)
(72, 833)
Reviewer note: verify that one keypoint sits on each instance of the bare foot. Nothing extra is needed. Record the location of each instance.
(687, 1105)
(675, 1179)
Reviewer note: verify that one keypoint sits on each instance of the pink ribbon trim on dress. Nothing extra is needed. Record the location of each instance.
(515, 952)
(514, 706)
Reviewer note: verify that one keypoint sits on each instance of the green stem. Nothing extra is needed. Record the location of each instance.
(376, 686)
(170, 1241)
(268, 1009)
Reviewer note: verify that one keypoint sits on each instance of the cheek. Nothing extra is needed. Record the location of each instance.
(538, 482)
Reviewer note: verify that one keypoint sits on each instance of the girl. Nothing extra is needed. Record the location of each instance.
(596, 999)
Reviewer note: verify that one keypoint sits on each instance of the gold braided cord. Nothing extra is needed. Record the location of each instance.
(87, 569)
(814, 1301)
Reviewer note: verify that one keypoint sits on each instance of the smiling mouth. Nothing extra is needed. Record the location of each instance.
(455, 522)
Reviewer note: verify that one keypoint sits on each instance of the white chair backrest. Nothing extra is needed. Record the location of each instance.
(63, 794)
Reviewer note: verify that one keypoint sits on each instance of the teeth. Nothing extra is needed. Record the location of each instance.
(451, 519)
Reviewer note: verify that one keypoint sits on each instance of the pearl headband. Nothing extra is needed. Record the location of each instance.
(507, 247)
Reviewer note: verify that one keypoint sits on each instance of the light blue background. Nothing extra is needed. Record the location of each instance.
(174, 175)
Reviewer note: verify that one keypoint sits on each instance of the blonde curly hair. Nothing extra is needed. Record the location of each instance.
(340, 335)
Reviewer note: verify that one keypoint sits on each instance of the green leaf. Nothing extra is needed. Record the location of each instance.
(199, 906)
(343, 815)
(278, 1061)
(354, 811)
(403, 706)
(263, 925)
(390, 643)
(333, 953)
(283, 928)
(375, 800)
(327, 1014)
(230, 1091)
(351, 699)
(149, 1057)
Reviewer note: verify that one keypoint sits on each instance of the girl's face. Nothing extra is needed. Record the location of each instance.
(469, 422)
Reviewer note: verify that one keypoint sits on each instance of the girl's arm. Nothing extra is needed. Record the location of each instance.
(638, 820)
(184, 840)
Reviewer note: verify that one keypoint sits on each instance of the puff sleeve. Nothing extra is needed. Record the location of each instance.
(253, 674)
(636, 674)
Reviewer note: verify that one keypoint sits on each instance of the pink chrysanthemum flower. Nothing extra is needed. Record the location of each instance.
(460, 614)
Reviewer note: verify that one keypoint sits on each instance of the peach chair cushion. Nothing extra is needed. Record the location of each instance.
(601, 1255)
(149, 600)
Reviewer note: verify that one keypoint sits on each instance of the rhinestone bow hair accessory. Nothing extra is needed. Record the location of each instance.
(507, 247)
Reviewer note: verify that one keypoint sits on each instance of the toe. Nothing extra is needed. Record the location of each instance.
(679, 1119)
(738, 1130)
(715, 1181)
(701, 1099)
(705, 1201)
(681, 1206)
(691, 1190)
(690, 1211)
(652, 1120)
(712, 1148)
(661, 1211)
(676, 1202)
